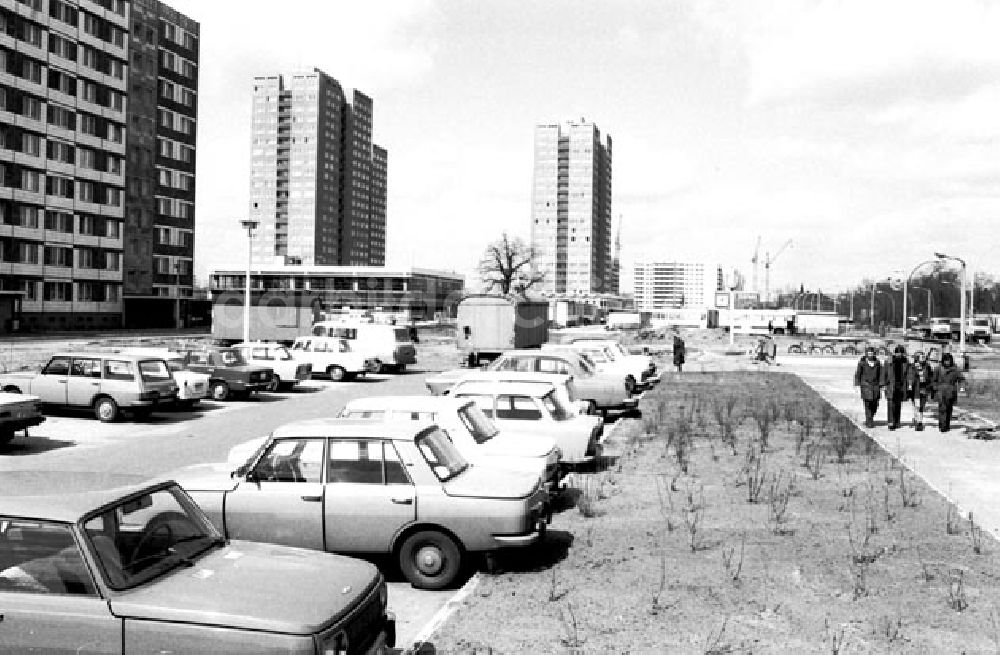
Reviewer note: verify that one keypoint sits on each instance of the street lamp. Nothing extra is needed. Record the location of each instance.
(928, 300)
(906, 281)
(249, 224)
(961, 318)
(177, 307)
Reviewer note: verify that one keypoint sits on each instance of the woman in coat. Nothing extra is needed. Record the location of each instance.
(919, 385)
(678, 352)
(947, 378)
(895, 373)
(868, 377)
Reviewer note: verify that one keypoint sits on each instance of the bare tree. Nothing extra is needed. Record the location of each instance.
(508, 266)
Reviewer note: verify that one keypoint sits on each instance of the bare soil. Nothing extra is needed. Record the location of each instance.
(749, 550)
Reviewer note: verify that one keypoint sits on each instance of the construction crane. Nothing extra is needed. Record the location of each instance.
(768, 260)
(756, 266)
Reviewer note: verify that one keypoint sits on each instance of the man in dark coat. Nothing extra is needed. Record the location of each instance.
(868, 376)
(947, 379)
(895, 373)
(678, 352)
(919, 385)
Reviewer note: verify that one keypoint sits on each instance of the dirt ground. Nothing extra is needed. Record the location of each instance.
(841, 551)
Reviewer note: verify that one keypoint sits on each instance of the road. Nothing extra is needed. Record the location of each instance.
(167, 441)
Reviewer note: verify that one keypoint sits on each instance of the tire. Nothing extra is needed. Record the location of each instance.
(400, 368)
(106, 410)
(629, 385)
(430, 559)
(376, 366)
(275, 383)
(336, 373)
(6, 436)
(219, 390)
(12, 389)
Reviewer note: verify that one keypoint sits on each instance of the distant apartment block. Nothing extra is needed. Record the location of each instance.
(675, 285)
(317, 182)
(571, 209)
(69, 232)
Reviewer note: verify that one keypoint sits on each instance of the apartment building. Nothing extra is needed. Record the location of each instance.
(72, 225)
(159, 219)
(571, 209)
(317, 182)
(675, 285)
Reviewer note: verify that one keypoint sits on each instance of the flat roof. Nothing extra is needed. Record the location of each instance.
(346, 271)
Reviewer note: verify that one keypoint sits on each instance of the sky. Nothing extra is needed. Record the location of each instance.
(865, 132)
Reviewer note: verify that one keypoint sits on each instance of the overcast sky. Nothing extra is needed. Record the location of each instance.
(867, 132)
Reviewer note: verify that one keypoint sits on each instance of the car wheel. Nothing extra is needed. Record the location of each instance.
(106, 410)
(336, 373)
(12, 390)
(6, 436)
(401, 368)
(219, 391)
(376, 366)
(430, 559)
(275, 383)
(629, 385)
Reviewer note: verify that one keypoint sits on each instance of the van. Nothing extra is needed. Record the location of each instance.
(390, 345)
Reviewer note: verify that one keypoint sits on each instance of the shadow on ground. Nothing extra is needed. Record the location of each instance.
(29, 445)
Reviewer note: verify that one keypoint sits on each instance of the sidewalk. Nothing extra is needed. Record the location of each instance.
(966, 471)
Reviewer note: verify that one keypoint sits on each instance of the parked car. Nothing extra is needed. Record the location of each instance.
(602, 391)
(106, 564)
(192, 387)
(537, 409)
(389, 346)
(634, 371)
(333, 356)
(18, 412)
(563, 383)
(285, 369)
(229, 374)
(472, 432)
(401, 489)
(107, 383)
(642, 366)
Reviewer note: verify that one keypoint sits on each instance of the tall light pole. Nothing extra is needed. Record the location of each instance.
(249, 224)
(906, 281)
(177, 307)
(961, 318)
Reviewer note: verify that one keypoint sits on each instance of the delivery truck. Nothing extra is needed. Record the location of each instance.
(490, 325)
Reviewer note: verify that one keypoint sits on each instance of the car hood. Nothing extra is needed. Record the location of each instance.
(253, 586)
(511, 442)
(205, 477)
(191, 376)
(489, 482)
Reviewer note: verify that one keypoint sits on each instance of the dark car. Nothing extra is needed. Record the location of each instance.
(230, 375)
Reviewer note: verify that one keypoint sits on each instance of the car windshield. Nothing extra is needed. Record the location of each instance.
(440, 454)
(148, 535)
(154, 370)
(231, 357)
(479, 424)
(556, 407)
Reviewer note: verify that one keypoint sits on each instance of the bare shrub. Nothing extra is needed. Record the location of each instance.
(589, 493)
(657, 605)
(815, 459)
(891, 628)
(714, 644)
(956, 590)
(763, 416)
(779, 493)
(806, 424)
(571, 637)
(842, 439)
(908, 491)
(556, 591)
(833, 638)
(952, 525)
(975, 536)
(732, 564)
(755, 472)
(666, 501)
(694, 510)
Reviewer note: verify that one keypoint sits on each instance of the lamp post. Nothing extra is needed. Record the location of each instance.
(177, 305)
(961, 318)
(928, 300)
(249, 224)
(906, 281)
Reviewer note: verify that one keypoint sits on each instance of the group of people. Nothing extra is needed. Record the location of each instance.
(904, 380)
(766, 350)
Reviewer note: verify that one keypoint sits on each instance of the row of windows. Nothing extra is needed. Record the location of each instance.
(175, 208)
(33, 217)
(173, 266)
(178, 64)
(177, 93)
(176, 122)
(176, 179)
(179, 35)
(27, 179)
(176, 150)
(24, 252)
(174, 236)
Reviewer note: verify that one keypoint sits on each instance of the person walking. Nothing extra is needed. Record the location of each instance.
(894, 376)
(679, 352)
(919, 385)
(868, 377)
(947, 378)
(772, 349)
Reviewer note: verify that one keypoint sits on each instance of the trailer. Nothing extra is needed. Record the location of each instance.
(490, 325)
(278, 316)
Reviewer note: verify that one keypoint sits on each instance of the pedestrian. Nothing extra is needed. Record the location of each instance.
(947, 378)
(760, 352)
(895, 374)
(919, 385)
(772, 349)
(868, 376)
(679, 352)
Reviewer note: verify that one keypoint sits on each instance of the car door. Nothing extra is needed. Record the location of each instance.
(281, 499)
(84, 380)
(369, 496)
(50, 385)
(48, 600)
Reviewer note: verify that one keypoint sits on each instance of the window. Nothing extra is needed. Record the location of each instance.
(115, 369)
(61, 187)
(57, 366)
(548, 365)
(58, 256)
(61, 117)
(154, 370)
(60, 151)
(517, 408)
(31, 107)
(366, 461)
(483, 402)
(42, 558)
(31, 144)
(88, 368)
(291, 460)
(58, 291)
(59, 221)
(31, 181)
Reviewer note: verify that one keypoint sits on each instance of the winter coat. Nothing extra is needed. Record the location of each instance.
(946, 381)
(678, 352)
(919, 380)
(894, 375)
(869, 378)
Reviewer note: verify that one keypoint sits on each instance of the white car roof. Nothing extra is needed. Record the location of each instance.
(484, 387)
(510, 377)
(408, 403)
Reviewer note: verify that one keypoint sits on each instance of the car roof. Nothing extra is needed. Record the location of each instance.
(536, 352)
(64, 496)
(104, 355)
(533, 389)
(432, 403)
(509, 377)
(346, 428)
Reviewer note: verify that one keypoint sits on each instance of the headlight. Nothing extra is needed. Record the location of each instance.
(337, 645)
